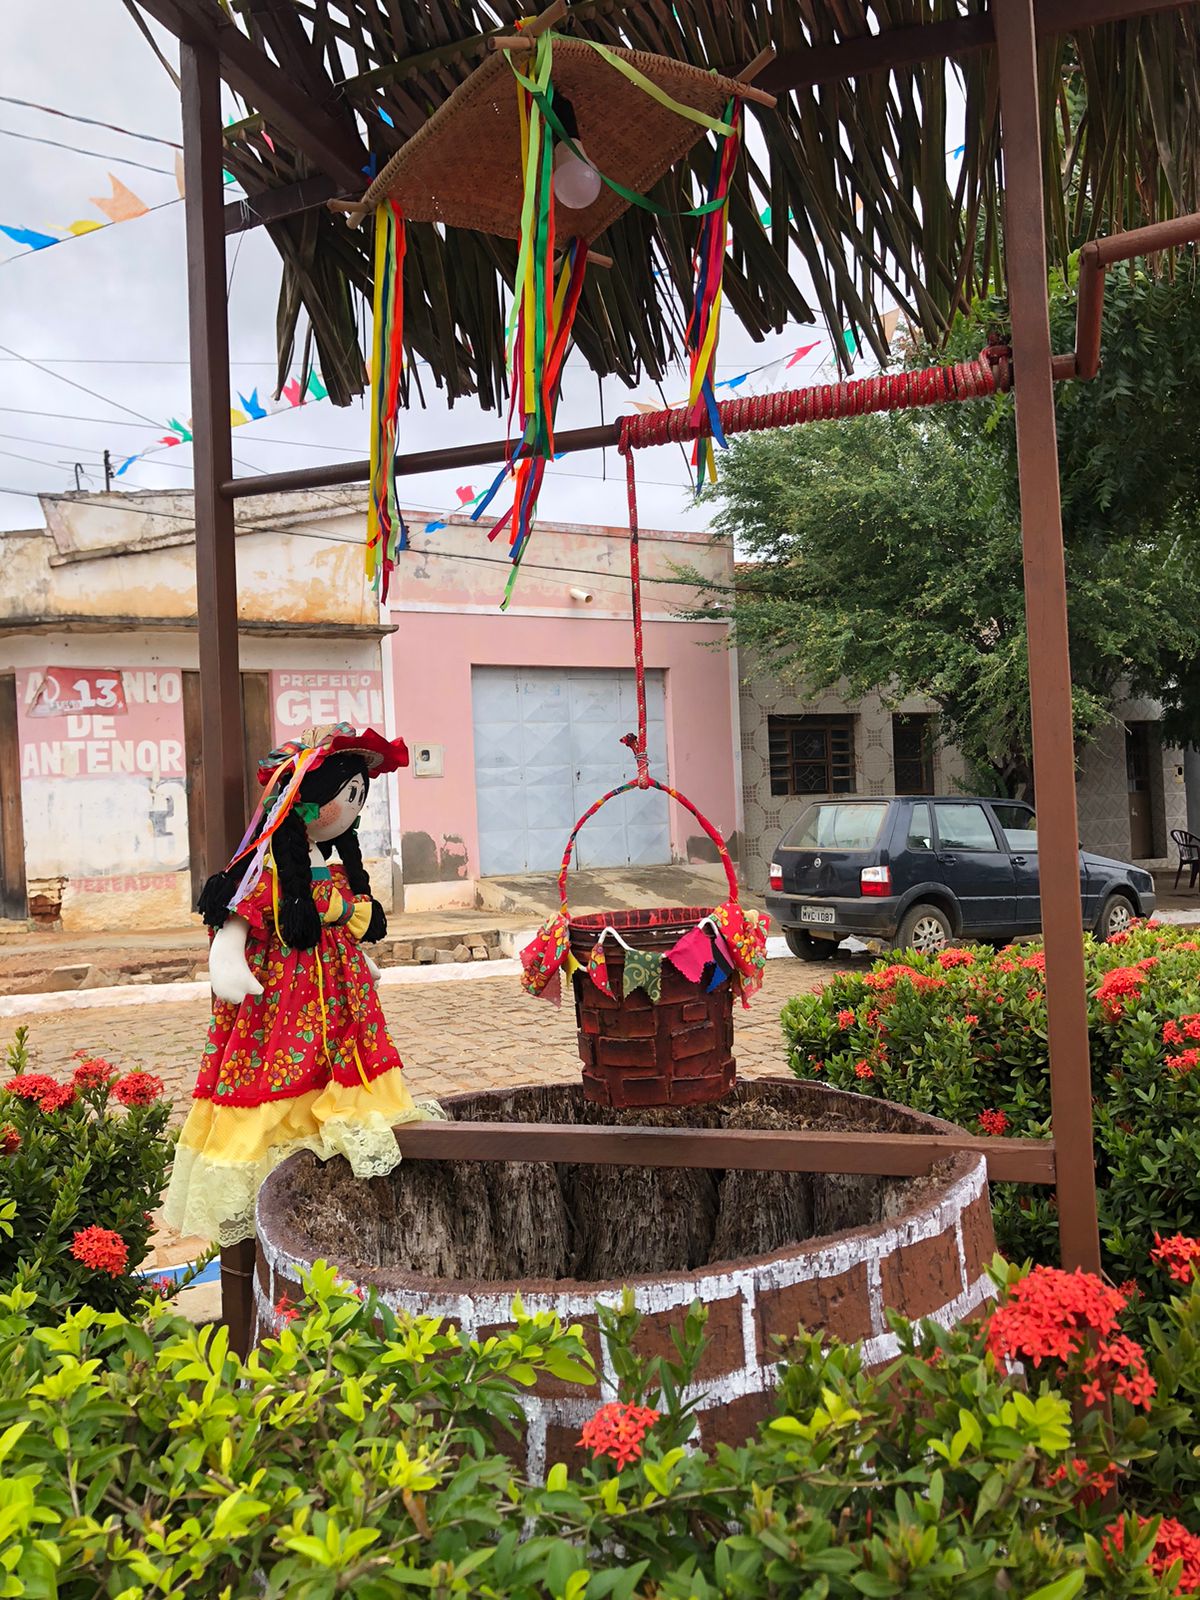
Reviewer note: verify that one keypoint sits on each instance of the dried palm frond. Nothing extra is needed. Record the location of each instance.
(863, 207)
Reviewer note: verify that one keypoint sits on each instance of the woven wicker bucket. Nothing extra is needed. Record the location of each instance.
(676, 1051)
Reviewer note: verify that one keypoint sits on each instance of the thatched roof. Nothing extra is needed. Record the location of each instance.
(856, 171)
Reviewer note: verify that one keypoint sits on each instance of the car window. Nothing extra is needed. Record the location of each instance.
(964, 827)
(830, 825)
(1018, 825)
(920, 829)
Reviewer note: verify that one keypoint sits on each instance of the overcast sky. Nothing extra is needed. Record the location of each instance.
(107, 310)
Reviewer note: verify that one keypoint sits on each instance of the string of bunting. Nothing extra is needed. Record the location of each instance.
(251, 409)
(122, 205)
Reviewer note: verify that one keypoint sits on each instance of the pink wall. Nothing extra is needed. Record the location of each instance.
(433, 653)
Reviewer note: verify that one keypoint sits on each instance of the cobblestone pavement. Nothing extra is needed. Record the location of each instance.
(473, 1033)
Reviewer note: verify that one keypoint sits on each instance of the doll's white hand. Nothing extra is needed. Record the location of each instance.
(372, 968)
(228, 970)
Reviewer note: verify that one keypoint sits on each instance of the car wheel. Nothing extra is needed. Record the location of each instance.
(1116, 917)
(805, 948)
(926, 930)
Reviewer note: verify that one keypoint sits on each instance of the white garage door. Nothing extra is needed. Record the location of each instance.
(547, 745)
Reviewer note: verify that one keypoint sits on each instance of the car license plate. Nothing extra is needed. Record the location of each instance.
(817, 914)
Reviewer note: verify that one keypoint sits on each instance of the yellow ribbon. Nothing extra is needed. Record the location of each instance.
(373, 535)
(652, 89)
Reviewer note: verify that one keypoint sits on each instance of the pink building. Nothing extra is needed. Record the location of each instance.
(515, 719)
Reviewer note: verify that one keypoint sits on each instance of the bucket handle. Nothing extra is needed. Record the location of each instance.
(673, 794)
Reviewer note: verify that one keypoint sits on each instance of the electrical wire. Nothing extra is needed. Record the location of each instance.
(57, 144)
(94, 394)
(73, 116)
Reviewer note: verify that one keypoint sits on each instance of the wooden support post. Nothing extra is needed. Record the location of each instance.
(1046, 621)
(216, 555)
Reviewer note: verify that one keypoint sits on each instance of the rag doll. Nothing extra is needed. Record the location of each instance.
(298, 1055)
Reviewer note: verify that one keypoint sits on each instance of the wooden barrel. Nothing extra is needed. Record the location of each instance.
(677, 1051)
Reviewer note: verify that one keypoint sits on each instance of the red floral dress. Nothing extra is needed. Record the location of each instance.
(308, 1064)
(286, 1042)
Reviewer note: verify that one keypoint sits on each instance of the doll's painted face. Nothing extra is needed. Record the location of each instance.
(336, 816)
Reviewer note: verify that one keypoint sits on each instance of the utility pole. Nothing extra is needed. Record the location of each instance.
(107, 472)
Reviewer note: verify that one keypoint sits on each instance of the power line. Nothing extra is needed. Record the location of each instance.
(94, 394)
(72, 116)
(57, 144)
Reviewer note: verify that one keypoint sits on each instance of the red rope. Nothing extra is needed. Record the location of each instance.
(889, 391)
(639, 652)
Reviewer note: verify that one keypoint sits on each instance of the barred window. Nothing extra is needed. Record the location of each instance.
(912, 753)
(811, 755)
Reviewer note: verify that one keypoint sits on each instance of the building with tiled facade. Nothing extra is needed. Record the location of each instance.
(793, 750)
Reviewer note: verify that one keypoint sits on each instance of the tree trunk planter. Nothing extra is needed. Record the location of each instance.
(676, 1052)
(766, 1252)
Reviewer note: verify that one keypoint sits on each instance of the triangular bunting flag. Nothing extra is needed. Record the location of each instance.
(122, 205)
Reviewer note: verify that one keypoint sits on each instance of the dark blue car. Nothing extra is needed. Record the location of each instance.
(923, 871)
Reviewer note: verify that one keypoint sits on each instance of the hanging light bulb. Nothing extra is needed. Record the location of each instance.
(577, 184)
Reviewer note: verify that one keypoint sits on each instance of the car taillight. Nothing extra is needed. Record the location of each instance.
(775, 876)
(876, 880)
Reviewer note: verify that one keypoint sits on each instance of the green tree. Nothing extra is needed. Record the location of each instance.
(884, 552)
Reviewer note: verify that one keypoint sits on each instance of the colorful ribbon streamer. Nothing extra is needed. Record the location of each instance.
(704, 324)
(387, 534)
(543, 315)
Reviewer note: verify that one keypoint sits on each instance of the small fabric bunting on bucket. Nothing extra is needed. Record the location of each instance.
(746, 941)
(544, 955)
(597, 969)
(643, 970)
(692, 953)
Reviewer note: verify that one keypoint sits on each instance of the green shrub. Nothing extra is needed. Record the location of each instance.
(82, 1165)
(963, 1036)
(355, 1453)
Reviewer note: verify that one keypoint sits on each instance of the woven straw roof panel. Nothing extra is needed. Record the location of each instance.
(463, 168)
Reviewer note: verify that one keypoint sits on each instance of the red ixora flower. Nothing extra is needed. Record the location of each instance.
(970, 1018)
(1055, 1315)
(92, 1072)
(10, 1140)
(1173, 1542)
(955, 958)
(1036, 962)
(1119, 985)
(285, 1310)
(845, 1019)
(891, 976)
(617, 1431)
(993, 1122)
(57, 1097)
(101, 1249)
(31, 1085)
(1092, 1483)
(1185, 1061)
(1176, 1254)
(863, 1069)
(137, 1089)
(1120, 937)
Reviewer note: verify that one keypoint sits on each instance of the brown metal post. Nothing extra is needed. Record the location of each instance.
(216, 556)
(1046, 620)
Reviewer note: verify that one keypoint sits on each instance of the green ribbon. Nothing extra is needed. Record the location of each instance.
(630, 195)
